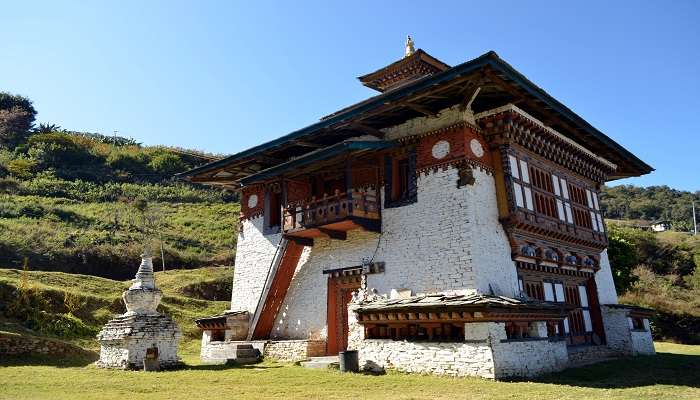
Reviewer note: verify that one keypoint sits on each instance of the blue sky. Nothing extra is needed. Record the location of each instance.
(222, 76)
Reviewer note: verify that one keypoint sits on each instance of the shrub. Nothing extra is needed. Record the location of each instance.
(167, 164)
(21, 167)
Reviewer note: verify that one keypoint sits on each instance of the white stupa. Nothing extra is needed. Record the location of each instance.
(142, 333)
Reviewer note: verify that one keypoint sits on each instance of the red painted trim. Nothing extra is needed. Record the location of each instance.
(278, 290)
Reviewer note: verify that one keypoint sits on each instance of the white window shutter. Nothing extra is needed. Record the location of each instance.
(528, 199)
(587, 321)
(560, 209)
(513, 166)
(518, 191)
(524, 171)
(583, 295)
(548, 291)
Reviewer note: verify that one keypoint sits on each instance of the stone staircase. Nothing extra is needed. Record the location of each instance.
(245, 354)
(322, 362)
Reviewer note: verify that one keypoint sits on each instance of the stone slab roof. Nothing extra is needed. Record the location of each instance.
(444, 301)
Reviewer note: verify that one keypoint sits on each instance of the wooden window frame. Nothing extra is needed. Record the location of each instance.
(272, 221)
(400, 189)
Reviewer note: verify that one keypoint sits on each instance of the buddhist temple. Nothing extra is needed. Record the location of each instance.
(449, 224)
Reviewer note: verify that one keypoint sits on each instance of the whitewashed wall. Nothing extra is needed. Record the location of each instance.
(254, 253)
(450, 240)
(604, 281)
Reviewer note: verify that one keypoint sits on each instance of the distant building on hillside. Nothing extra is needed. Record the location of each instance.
(450, 225)
(660, 226)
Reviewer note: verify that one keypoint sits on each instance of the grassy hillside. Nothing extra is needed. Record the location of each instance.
(661, 271)
(74, 307)
(106, 238)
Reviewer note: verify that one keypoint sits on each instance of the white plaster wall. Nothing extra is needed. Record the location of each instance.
(254, 253)
(450, 240)
(617, 330)
(604, 281)
(642, 342)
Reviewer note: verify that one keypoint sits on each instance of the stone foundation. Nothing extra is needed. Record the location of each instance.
(485, 353)
(294, 350)
(454, 359)
(220, 352)
(278, 350)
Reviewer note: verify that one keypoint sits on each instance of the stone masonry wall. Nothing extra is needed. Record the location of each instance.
(295, 350)
(450, 240)
(220, 352)
(485, 353)
(15, 344)
(473, 358)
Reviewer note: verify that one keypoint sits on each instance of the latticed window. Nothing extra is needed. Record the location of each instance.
(537, 190)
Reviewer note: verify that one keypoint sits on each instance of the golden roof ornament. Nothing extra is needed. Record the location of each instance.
(409, 47)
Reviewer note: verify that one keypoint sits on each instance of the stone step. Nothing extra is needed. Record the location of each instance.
(247, 353)
(321, 362)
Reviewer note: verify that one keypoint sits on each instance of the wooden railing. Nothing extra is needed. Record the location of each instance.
(330, 209)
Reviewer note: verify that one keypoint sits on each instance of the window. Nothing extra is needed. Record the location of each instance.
(443, 332)
(638, 324)
(548, 291)
(273, 210)
(547, 194)
(559, 291)
(217, 336)
(400, 189)
(400, 179)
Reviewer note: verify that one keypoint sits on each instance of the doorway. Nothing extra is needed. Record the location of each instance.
(339, 295)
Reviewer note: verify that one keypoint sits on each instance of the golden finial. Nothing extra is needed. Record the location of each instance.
(409, 47)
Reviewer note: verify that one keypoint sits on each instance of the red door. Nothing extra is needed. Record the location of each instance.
(339, 295)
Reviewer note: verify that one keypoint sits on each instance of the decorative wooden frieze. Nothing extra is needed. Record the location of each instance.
(509, 124)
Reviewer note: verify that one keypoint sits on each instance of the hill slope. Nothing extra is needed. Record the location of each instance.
(74, 307)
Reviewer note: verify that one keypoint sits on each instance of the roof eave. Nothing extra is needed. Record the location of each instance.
(488, 59)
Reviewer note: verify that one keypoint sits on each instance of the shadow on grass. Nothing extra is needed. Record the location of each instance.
(661, 369)
(229, 366)
(21, 360)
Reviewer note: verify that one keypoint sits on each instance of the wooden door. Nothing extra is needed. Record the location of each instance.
(339, 295)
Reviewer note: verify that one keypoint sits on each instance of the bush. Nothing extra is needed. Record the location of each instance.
(22, 168)
(132, 163)
(167, 164)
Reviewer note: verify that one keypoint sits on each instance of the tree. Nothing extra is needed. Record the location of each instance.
(17, 115)
(623, 258)
(47, 128)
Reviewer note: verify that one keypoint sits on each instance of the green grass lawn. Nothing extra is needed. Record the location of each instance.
(672, 374)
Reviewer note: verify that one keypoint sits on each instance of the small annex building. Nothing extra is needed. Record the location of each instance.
(450, 224)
